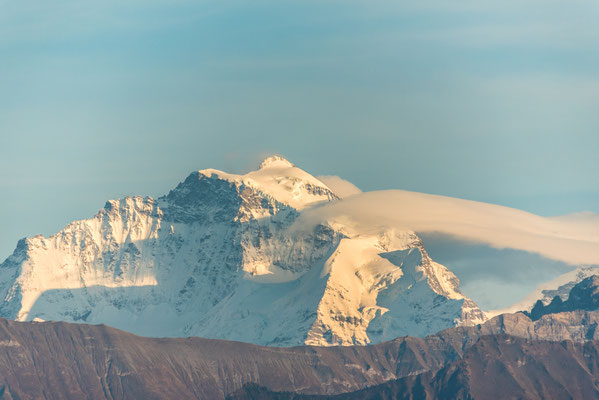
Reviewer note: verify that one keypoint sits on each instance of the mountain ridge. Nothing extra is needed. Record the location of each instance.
(221, 256)
(495, 367)
(36, 361)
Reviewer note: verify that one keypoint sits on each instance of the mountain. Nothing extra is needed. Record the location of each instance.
(509, 356)
(548, 291)
(58, 360)
(64, 360)
(503, 367)
(236, 257)
(551, 356)
(495, 367)
(583, 296)
(575, 319)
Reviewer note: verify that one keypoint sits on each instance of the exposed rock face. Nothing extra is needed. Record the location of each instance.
(583, 296)
(221, 256)
(576, 326)
(563, 290)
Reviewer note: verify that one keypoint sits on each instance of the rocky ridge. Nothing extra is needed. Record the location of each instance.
(584, 296)
(495, 367)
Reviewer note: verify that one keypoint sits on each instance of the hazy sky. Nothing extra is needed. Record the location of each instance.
(495, 101)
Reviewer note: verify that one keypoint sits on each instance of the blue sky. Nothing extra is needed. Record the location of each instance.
(493, 101)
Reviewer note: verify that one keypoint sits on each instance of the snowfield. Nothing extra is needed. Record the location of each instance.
(273, 257)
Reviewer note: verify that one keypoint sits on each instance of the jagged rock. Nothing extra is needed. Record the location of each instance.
(583, 296)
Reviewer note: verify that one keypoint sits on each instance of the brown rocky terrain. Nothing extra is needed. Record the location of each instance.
(61, 360)
(496, 367)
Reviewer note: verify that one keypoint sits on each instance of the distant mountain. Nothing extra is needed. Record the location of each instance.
(583, 296)
(231, 257)
(274, 257)
(548, 291)
(575, 319)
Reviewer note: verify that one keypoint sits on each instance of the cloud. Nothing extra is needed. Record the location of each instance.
(500, 254)
(493, 277)
(569, 241)
(340, 186)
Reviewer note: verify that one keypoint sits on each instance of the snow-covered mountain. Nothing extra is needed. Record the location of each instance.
(229, 256)
(547, 291)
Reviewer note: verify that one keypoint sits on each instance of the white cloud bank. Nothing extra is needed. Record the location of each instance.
(571, 240)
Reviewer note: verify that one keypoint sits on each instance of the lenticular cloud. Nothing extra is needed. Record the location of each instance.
(573, 239)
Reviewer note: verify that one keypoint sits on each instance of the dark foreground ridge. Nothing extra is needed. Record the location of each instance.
(496, 367)
(58, 360)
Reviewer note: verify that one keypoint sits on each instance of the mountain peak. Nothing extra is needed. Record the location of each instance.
(276, 177)
(583, 296)
(221, 256)
(276, 162)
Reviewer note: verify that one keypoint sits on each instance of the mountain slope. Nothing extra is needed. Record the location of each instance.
(37, 361)
(554, 356)
(222, 256)
(504, 367)
(508, 356)
(495, 367)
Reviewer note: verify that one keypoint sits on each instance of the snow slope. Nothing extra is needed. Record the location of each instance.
(229, 256)
(545, 247)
